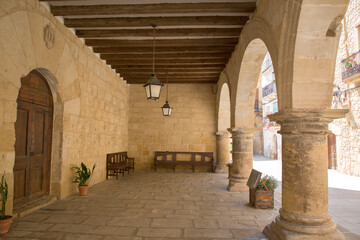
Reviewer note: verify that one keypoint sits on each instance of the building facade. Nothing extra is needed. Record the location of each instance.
(347, 93)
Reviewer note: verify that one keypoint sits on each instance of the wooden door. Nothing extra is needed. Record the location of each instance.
(33, 130)
(331, 151)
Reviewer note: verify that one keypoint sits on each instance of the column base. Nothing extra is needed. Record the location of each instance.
(221, 168)
(237, 186)
(313, 229)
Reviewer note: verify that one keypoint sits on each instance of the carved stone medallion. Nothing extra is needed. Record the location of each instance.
(49, 35)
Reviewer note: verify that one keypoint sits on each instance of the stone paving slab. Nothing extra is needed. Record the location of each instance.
(149, 206)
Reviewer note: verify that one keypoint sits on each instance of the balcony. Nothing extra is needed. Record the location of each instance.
(350, 71)
(266, 65)
(269, 89)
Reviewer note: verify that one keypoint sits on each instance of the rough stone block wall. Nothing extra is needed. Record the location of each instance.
(349, 128)
(191, 126)
(90, 100)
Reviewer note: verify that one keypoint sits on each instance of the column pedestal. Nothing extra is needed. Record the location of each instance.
(304, 213)
(242, 155)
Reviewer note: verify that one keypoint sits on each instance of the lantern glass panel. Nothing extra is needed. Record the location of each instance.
(155, 90)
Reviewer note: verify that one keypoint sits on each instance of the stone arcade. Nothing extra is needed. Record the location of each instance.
(96, 112)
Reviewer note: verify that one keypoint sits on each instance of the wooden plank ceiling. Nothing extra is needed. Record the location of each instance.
(194, 39)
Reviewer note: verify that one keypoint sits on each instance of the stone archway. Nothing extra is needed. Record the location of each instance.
(244, 115)
(223, 124)
(43, 175)
(56, 153)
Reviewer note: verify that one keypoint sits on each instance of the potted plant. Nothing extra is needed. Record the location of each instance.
(82, 175)
(263, 195)
(229, 168)
(5, 220)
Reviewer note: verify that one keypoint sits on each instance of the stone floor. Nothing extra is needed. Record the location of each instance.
(149, 205)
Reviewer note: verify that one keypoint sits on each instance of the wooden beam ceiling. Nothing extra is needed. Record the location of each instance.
(193, 40)
(162, 8)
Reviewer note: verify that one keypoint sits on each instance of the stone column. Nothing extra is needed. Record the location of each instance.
(242, 154)
(304, 213)
(222, 152)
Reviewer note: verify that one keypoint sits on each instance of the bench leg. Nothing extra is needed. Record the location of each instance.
(193, 168)
(174, 168)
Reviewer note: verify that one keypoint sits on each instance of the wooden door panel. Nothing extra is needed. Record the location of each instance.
(33, 141)
(38, 135)
(36, 179)
(19, 184)
(21, 127)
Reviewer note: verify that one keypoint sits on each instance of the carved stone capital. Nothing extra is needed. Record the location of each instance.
(305, 121)
(242, 131)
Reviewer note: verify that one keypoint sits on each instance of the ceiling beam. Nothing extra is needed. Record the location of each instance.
(162, 8)
(168, 61)
(215, 66)
(158, 21)
(163, 76)
(172, 32)
(169, 71)
(184, 81)
(162, 43)
(114, 50)
(164, 56)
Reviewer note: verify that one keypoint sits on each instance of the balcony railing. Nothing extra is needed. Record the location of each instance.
(266, 65)
(269, 89)
(350, 66)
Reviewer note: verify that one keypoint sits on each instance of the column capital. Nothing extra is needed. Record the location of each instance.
(306, 121)
(240, 130)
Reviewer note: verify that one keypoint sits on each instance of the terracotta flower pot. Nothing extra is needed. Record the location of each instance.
(83, 190)
(5, 225)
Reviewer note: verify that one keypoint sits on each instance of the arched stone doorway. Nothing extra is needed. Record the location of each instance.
(33, 129)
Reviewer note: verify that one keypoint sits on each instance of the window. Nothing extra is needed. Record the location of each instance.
(275, 107)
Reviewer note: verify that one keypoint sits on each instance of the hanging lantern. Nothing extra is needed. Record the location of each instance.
(153, 85)
(166, 109)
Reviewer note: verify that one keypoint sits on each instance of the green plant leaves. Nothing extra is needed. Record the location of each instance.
(3, 196)
(82, 174)
(270, 182)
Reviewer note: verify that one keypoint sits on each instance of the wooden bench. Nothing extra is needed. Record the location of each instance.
(117, 163)
(172, 159)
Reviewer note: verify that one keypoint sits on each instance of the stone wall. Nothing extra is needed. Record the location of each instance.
(90, 100)
(347, 130)
(191, 126)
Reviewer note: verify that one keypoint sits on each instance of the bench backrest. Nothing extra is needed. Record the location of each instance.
(184, 156)
(116, 158)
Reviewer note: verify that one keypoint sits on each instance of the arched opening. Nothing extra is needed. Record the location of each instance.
(223, 142)
(248, 123)
(224, 109)
(33, 129)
